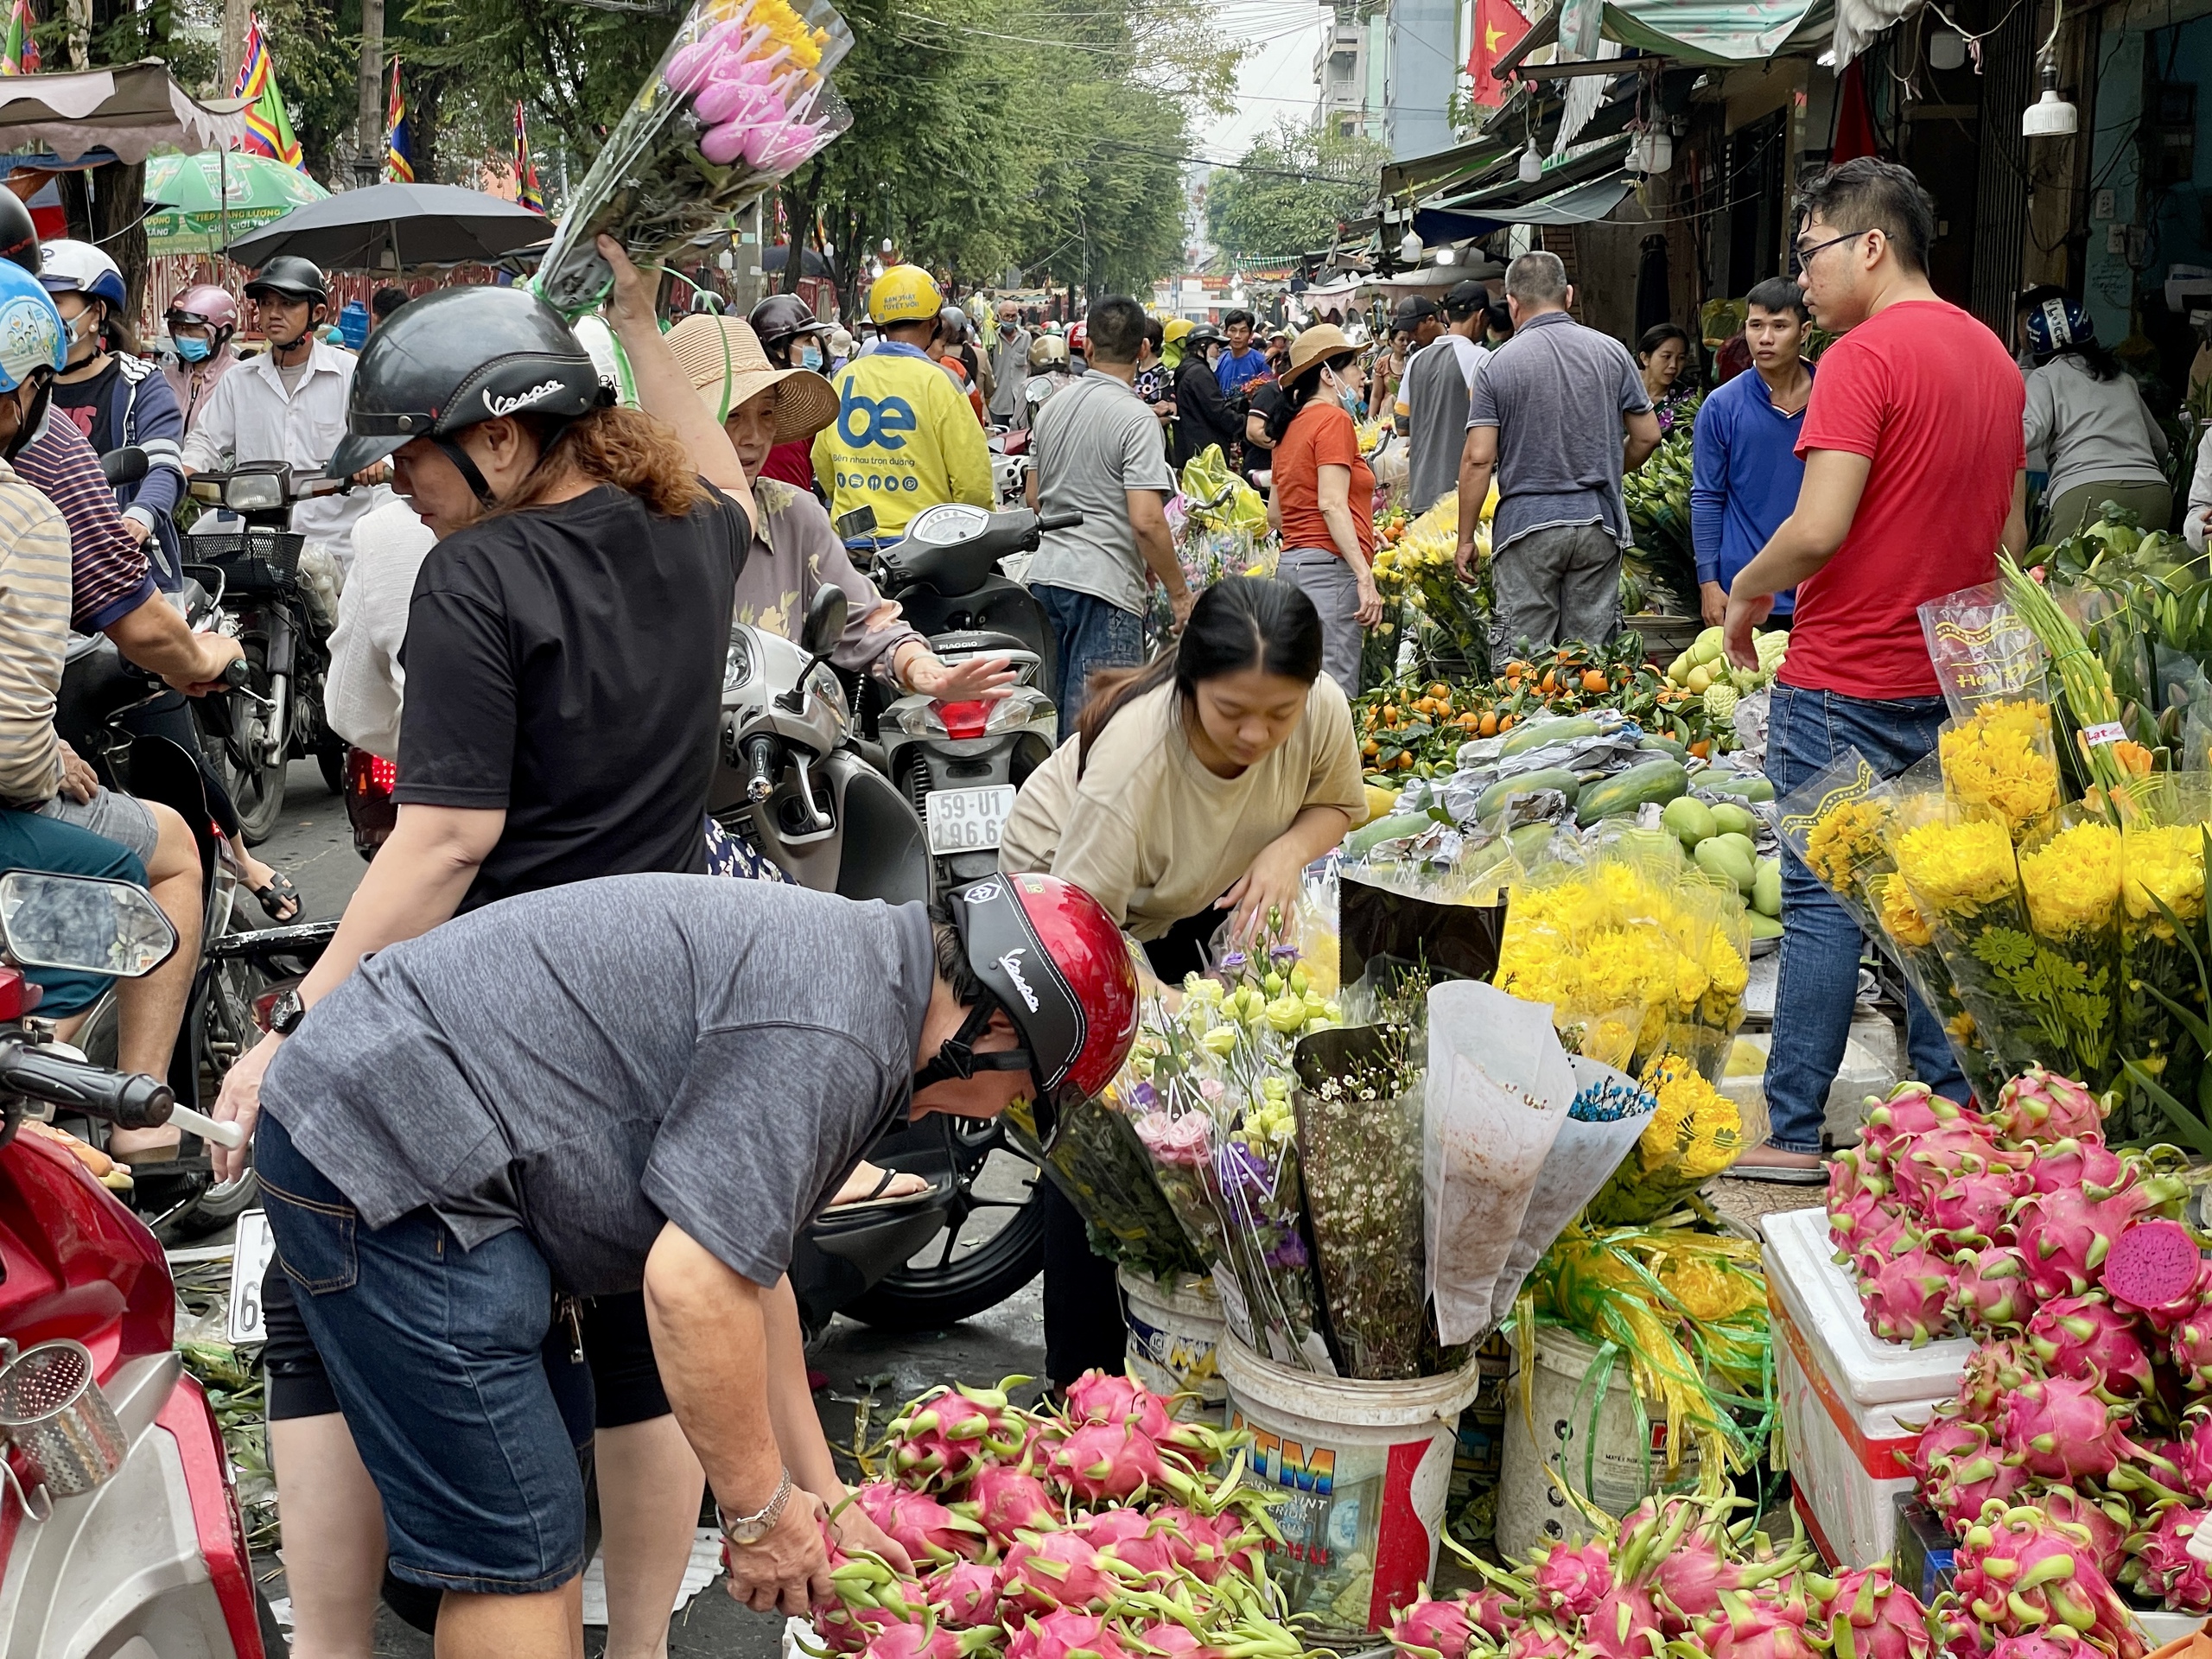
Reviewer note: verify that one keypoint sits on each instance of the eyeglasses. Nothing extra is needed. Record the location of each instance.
(1800, 256)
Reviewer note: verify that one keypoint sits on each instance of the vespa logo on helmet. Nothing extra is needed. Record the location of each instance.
(1012, 963)
(498, 406)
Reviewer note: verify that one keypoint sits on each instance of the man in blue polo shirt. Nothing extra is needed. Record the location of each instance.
(1744, 465)
(1244, 364)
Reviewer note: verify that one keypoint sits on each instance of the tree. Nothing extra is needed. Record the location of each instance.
(1293, 187)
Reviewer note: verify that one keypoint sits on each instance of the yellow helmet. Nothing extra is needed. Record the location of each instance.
(1174, 329)
(904, 293)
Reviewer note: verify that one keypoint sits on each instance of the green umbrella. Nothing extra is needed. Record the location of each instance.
(209, 200)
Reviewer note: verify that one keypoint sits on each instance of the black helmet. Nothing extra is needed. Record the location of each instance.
(18, 236)
(454, 358)
(782, 318)
(293, 277)
(1204, 335)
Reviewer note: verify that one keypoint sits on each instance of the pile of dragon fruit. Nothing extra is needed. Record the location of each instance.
(1092, 1530)
(2080, 1408)
(1678, 1581)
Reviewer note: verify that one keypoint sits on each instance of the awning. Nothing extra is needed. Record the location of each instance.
(131, 111)
(1712, 32)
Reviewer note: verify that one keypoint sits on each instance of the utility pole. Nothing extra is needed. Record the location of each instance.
(232, 43)
(368, 156)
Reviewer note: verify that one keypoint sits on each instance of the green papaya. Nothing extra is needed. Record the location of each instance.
(1504, 789)
(1364, 839)
(1749, 785)
(1657, 781)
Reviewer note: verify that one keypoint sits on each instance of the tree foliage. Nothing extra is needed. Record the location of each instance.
(1293, 189)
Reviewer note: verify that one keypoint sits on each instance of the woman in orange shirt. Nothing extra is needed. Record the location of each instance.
(1323, 497)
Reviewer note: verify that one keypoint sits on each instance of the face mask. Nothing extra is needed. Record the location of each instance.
(190, 350)
(811, 357)
(84, 329)
(1007, 328)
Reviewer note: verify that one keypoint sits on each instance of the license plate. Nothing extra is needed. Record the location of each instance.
(250, 1253)
(967, 820)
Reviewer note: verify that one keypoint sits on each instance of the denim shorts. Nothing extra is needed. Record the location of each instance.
(435, 1356)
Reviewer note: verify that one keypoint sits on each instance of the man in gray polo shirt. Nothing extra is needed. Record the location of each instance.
(1547, 414)
(1095, 450)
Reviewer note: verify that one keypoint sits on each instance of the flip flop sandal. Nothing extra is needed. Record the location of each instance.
(278, 892)
(1778, 1175)
(880, 1197)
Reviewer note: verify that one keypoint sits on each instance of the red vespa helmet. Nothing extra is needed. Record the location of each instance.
(1047, 954)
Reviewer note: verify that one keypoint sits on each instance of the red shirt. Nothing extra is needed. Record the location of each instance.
(792, 462)
(1930, 396)
(1321, 435)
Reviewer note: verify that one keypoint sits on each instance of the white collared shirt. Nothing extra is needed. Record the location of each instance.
(248, 416)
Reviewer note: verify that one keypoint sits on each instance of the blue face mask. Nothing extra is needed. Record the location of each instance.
(191, 350)
(811, 357)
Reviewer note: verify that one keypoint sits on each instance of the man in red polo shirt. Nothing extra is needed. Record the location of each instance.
(1914, 476)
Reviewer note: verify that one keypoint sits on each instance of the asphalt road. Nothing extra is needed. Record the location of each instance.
(868, 1371)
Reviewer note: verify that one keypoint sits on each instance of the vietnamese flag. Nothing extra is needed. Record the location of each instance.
(1498, 30)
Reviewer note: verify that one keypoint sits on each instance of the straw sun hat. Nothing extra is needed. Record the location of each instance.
(1317, 344)
(722, 359)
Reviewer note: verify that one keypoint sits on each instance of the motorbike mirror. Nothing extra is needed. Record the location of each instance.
(825, 620)
(860, 522)
(125, 466)
(84, 923)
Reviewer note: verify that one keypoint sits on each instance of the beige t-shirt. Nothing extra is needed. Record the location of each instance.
(1154, 836)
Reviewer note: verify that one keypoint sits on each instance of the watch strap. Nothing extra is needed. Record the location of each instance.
(751, 1528)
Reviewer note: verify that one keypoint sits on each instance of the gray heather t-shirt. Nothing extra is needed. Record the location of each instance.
(587, 1062)
(1092, 442)
(1556, 392)
(1438, 383)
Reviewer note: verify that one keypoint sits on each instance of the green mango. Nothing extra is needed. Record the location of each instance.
(1718, 857)
(1728, 819)
(1765, 927)
(1688, 819)
(1766, 888)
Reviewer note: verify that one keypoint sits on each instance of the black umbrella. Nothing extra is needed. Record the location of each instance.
(394, 227)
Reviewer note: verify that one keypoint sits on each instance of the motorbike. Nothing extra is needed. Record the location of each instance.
(1009, 466)
(370, 811)
(275, 716)
(960, 763)
(120, 1529)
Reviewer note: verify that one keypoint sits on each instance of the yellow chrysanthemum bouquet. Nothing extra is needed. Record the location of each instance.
(2164, 825)
(2001, 762)
(1693, 1134)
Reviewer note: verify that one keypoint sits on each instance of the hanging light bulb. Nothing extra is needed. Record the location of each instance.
(1947, 49)
(1409, 251)
(1532, 165)
(1445, 256)
(1652, 152)
(2049, 115)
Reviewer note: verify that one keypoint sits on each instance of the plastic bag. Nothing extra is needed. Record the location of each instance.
(1377, 925)
(1498, 1092)
(1982, 648)
(740, 97)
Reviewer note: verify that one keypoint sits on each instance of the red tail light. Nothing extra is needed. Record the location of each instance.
(372, 774)
(964, 719)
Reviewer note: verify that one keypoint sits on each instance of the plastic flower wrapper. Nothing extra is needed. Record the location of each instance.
(1835, 823)
(1713, 934)
(1499, 1088)
(2001, 760)
(1179, 1112)
(2071, 877)
(1359, 1105)
(1891, 917)
(1266, 1273)
(1611, 1114)
(1982, 648)
(2161, 896)
(740, 98)
(1097, 1162)
(1694, 1133)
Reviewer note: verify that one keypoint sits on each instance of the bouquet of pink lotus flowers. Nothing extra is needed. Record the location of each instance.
(738, 100)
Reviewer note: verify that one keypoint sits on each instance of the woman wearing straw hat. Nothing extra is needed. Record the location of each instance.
(1324, 496)
(794, 549)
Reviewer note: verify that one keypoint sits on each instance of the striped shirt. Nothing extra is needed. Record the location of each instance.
(109, 575)
(35, 595)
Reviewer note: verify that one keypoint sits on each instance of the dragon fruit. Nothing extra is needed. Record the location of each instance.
(1908, 1298)
(2159, 1564)
(945, 1434)
(2191, 1455)
(1570, 1581)
(1992, 1370)
(965, 1594)
(1130, 1537)
(1756, 1630)
(2166, 1315)
(929, 1639)
(1872, 1617)
(2077, 1161)
(1693, 1577)
(1206, 1547)
(1625, 1625)
(2106, 1524)
(1971, 1207)
(2056, 1428)
(1852, 1175)
(1912, 1109)
(1992, 1289)
(918, 1524)
(1854, 1219)
(1102, 1397)
(1064, 1634)
(1963, 1477)
(2189, 1345)
(2017, 1572)
(1006, 1499)
(1885, 1236)
(1427, 1629)
(2066, 1234)
(1540, 1638)
(1114, 1460)
(2040, 1105)
(2086, 1338)
(2061, 1643)
(1921, 1168)
(1056, 1569)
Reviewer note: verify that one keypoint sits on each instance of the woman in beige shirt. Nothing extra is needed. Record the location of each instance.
(1201, 785)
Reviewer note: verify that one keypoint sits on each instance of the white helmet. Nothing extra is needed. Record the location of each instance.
(68, 267)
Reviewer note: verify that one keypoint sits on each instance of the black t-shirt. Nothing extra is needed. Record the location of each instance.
(565, 663)
(87, 403)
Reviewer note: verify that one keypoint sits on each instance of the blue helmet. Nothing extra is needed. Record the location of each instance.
(31, 334)
(2055, 324)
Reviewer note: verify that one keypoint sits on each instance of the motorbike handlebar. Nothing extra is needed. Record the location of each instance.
(237, 673)
(761, 767)
(128, 1100)
(1059, 521)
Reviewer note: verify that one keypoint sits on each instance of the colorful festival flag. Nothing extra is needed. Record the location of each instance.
(20, 56)
(268, 128)
(526, 186)
(398, 149)
(1498, 28)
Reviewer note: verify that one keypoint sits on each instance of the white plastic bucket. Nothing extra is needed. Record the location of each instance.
(1531, 1511)
(1366, 1466)
(1174, 1331)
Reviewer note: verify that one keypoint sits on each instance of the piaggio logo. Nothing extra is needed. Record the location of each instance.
(500, 406)
(1012, 963)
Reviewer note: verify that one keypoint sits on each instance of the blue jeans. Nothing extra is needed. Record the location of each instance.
(1820, 944)
(31, 840)
(436, 1354)
(1090, 634)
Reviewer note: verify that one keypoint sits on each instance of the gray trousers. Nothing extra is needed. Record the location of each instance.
(1553, 585)
(1323, 577)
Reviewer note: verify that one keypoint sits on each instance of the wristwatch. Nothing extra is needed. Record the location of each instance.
(286, 1013)
(751, 1529)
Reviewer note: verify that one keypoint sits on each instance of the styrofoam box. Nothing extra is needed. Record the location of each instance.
(1852, 1404)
